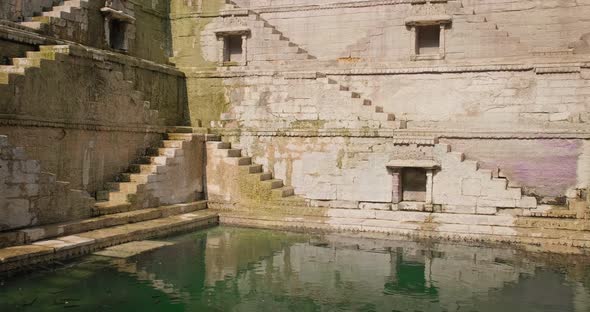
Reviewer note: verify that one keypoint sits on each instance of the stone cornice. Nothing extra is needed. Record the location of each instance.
(539, 68)
(304, 8)
(391, 133)
(17, 34)
(24, 121)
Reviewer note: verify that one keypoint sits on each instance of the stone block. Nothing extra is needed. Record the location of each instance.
(486, 210)
(471, 187)
(527, 202)
(458, 209)
(375, 206)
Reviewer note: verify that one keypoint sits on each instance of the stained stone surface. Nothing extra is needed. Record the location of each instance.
(131, 249)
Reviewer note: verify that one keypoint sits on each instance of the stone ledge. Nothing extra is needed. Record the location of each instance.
(403, 134)
(8, 32)
(424, 225)
(394, 69)
(23, 121)
(302, 8)
(23, 257)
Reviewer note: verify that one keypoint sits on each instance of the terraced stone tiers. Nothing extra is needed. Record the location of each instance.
(63, 241)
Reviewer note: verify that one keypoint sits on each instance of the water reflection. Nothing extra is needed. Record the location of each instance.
(231, 269)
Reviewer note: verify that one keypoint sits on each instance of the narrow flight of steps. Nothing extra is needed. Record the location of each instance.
(132, 189)
(267, 188)
(34, 60)
(283, 49)
(495, 191)
(69, 10)
(366, 109)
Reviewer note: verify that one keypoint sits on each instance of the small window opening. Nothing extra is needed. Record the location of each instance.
(414, 184)
(233, 49)
(117, 38)
(428, 40)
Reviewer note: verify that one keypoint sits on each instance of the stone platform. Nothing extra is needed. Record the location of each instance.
(565, 236)
(86, 236)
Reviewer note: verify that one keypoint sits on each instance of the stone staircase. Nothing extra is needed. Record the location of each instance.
(283, 49)
(47, 54)
(135, 188)
(365, 108)
(486, 190)
(68, 10)
(259, 185)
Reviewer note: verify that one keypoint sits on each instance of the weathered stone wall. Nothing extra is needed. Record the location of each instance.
(149, 34)
(378, 32)
(353, 168)
(85, 120)
(17, 10)
(29, 196)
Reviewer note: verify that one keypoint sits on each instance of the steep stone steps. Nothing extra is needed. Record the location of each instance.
(491, 191)
(127, 192)
(254, 173)
(34, 60)
(70, 10)
(367, 111)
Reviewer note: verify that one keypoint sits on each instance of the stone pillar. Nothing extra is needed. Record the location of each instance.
(244, 50)
(429, 173)
(397, 186)
(441, 48)
(413, 43)
(221, 50)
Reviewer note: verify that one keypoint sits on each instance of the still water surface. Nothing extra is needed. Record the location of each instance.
(233, 269)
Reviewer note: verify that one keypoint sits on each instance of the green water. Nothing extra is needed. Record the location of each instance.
(232, 269)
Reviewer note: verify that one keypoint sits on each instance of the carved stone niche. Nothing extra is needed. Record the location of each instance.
(232, 46)
(119, 25)
(427, 25)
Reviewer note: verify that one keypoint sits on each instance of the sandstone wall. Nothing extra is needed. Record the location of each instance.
(149, 35)
(479, 28)
(29, 196)
(353, 169)
(85, 120)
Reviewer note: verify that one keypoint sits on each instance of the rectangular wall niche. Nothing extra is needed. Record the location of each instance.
(428, 40)
(233, 49)
(427, 36)
(413, 184)
(232, 46)
(117, 35)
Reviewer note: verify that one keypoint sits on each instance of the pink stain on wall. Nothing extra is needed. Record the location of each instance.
(545, 167)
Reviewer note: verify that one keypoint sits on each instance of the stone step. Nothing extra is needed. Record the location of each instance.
(273, 184)
(173, 143)
(108, 208)
(458, 156)
(26, 62)
(240, 161)
(219, 145)
(33, 25)
(283, 192)
(234, 152)
(12, 69)
(154, 160)
(179, 136)
(128, 187)
(138, 178)
(266, 176)
(251, 169)
(164, 151)
(67, 246)
(147, 168)
(48, 55)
